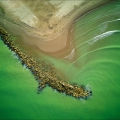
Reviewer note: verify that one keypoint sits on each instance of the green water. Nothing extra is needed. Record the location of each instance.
(97, 47)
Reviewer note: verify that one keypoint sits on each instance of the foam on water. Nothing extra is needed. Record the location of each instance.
(102, 36)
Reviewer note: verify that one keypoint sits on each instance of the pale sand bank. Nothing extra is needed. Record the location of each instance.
(50, 33)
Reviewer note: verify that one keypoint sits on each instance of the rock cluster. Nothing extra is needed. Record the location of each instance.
(44, 73)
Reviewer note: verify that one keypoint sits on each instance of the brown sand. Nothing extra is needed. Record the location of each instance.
(58, 43)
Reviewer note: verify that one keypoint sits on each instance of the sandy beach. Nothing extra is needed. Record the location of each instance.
(55, 40)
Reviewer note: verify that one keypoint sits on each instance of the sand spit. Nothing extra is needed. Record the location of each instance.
(45, 24)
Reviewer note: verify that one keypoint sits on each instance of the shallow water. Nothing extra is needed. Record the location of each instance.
(95, 64)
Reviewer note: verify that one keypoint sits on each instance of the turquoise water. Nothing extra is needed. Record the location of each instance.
(95, 64)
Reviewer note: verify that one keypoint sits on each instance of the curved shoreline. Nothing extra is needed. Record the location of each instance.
(66, 21)
(59, 39)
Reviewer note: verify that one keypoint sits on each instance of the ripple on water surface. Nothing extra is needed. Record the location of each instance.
(97, 55)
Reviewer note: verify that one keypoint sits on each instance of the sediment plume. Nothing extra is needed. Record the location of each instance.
(46, 74)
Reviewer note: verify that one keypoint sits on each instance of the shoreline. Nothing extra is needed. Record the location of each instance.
(66, 21)
(57, 42)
